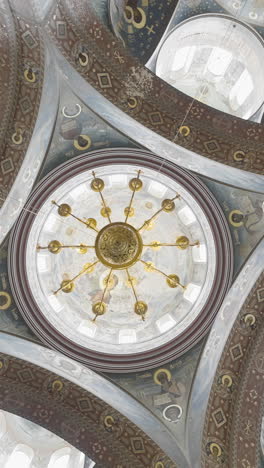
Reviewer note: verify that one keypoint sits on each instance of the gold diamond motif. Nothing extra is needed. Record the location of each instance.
(104, 80)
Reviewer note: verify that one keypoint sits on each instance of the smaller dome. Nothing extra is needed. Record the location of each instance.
(217, 60)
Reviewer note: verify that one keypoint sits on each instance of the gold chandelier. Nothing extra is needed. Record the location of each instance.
(118, 245)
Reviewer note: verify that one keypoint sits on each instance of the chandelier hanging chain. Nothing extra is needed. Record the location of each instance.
(61, 246)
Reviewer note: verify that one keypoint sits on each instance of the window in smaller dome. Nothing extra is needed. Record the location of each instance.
(165, 323)
(87, 327)
(219, 61)
(192, 292)
(60, 458)
(127, 336)
(2, 424)
(242, 90)
(21, 457)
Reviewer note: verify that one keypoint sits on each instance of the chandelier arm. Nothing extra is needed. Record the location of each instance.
(162, 273)
(82, 272)
(106, 286)
(83, 222)
(105, 289)
(39, 247)
(132, 197)
(76, 217)
(138, 304)
(132, 285)
(146, 223)
(177, 244)
(103, 201)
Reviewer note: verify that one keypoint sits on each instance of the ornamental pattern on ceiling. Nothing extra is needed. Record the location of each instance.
(141, 27)
(234, 413)
(108, 67)
(21, 78)
(77, 416)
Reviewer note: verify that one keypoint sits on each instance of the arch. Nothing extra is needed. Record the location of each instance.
(22, 82)
(77, 413)
(234, 343)
(155, 100)
(2, 424)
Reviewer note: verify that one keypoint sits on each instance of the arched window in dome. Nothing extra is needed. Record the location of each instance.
(183, 58)
(241, 90)
(2, 424)
(219, 61)
(60, 458)
(90, 465)
(67, 458)
(21, 457)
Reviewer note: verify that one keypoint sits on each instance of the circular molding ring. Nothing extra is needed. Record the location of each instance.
(95, 359)
(179, 408)
(72, 116)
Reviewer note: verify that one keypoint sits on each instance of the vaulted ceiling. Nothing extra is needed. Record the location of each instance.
(160, 365)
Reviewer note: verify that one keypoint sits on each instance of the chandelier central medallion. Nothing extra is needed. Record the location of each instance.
(118, 245)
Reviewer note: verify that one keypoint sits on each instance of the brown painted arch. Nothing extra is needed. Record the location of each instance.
(234, 412)
(134, 89)
(77, 416)
(21, 82)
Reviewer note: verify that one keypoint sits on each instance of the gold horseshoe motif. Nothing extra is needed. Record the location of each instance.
(184, 130)
(132, 102)
(227, 381)
(17, 137)
(83, 59)
(29, 75)
(109, 421)
(7, 302)
(161, 371)
(235, 223)
(130, 18)
(249, 319)
(215, 449)
(239, 156)
(85, 138)
(57, 386)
